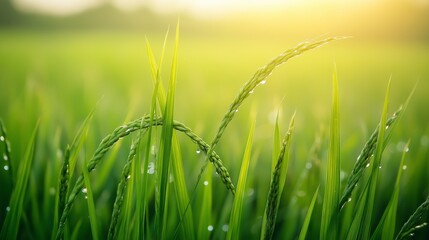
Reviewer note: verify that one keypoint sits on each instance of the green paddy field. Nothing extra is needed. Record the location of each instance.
(56, 78)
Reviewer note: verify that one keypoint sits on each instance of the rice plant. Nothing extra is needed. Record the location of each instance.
(164, 192)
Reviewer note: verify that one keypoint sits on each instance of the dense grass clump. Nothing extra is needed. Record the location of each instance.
(158, 190)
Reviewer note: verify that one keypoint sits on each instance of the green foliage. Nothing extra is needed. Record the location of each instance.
(11, 224)
(150, 198)
(329, 223)
(277, 183)
(237, 207)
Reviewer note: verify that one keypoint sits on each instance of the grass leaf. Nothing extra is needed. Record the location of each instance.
(90, 201)
(12, 222)
(307, 219)
(237, 207)
(277, 184)
(369, 205)
(329, 223)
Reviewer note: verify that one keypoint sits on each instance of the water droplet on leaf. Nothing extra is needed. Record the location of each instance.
(6, 167)
(206, 183)
(225, 227)
(151, 168)
(210, 228)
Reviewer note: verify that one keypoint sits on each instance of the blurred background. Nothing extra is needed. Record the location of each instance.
(58, 59)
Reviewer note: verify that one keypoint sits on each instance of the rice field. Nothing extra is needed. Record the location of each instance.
(125, 135)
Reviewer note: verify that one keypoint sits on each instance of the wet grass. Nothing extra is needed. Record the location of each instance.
(144, 180)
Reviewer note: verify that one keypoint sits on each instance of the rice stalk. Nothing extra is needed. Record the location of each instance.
(64, 181)
(277, 184)
(123, 131)
(414, 222)
(364, 157)
(260, 77)
(117, 206)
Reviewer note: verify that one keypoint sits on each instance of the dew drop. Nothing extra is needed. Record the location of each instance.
(86, 197)
(129, 176)
(263, 82)
(225, 227)
(84, 190)
(387, 127)
(151, 168)
(379, 166)
(236, 110)
(404, 167)
(6, 167)
(210, 228)
(349, 200)
(407, 149)
(198, 151)
(206, 183)
(7, 208)
(308, 165)
(5, 157)
(2, 138)
(251, 91)
(367, 165)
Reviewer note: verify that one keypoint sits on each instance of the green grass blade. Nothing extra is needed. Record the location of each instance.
(90, 201)
(277, 184)
(369, 206)
(166, 144)
(307, 219)
(7, 149)
(387, 224)
(78, 140)
(236, 213)
(329, 224)
(205, 220)
(414, 222)
(390, 223)
(11, 224)
(176, 164)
